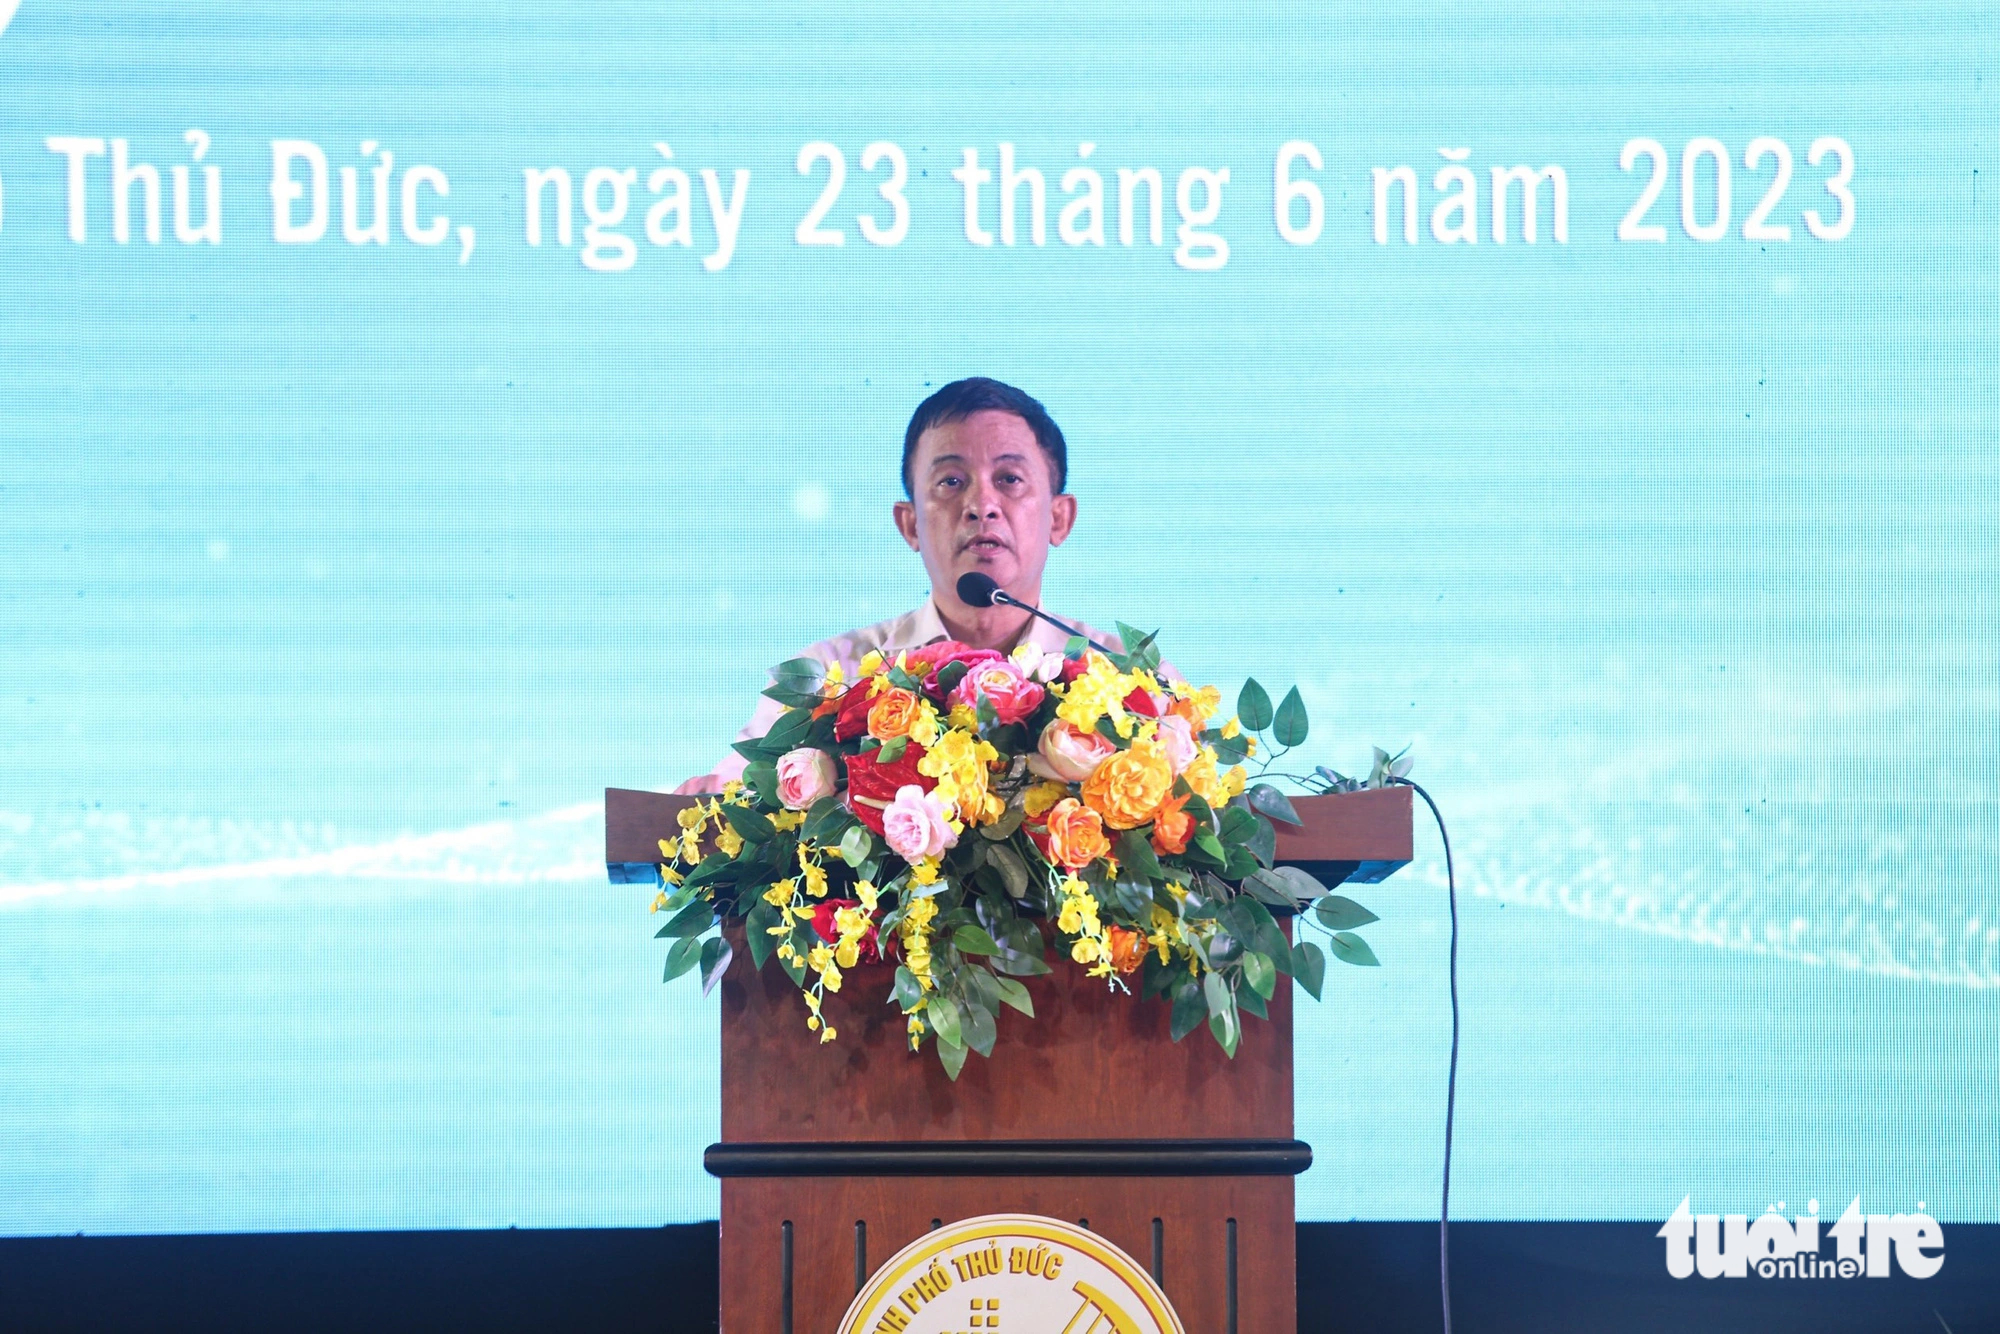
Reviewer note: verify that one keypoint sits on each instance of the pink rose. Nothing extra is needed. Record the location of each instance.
(1003, 682)
(915, 826)
(804, 776)
(1068, 754)
(1177, 740)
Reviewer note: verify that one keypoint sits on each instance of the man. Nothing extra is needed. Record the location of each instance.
(985, 472)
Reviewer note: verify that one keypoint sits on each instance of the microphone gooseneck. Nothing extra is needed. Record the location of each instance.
(982, 590)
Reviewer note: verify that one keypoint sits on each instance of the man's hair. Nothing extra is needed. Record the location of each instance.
(961, 398)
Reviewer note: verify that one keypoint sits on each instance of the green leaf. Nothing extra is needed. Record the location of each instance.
(1260, 972)
(1190, 1009)
(1336, 913)
(1273, 803)
(1257, 929)
(1239, 823)
(856, 845)
(1014, 994)
(762, 776)
(979, 1030)
(949, 676)
(1309, 966)
(908, 991)
(1250, 1003)
(715, 956)
(1350, 948)
(952, 1055)
(942, 1015)
(1253, 707)
(1240, 863)
(1021, 965)
(1012, 870)
(1135, 857)
(1211, 847)
(1288, 726)
(892, 750)
(692, 920)
(1232, 749)
(1010, 820)
(826, 821)
(1263, 845)
(750, 824)
(795, 967)
(787, 732)
(973, 940)
(1294, 885)
(802, 674)
(1215, 991)
(683, 956)
(757, 932)
(1227, 1028)
(1267, 888)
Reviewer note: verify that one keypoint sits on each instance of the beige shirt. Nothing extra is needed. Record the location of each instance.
(910, 630)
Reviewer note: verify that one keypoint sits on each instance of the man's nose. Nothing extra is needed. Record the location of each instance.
(981, 503)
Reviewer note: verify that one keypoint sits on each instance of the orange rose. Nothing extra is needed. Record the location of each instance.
(1127, 788)
(892, 714)
(1076, 835)
(1185, 708)
(1172, 827)
(1128, 949)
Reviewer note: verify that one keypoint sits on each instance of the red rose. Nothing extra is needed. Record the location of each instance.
(824, 928)
(852, 721)
(1142, 702)
(1073, 668)
(933, 658)
(871, 786)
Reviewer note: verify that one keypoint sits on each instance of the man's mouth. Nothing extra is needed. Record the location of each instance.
(985, 545)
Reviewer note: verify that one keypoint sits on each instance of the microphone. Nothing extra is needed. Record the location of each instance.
(982, 590)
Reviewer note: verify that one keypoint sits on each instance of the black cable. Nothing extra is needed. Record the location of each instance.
(1451, 1078)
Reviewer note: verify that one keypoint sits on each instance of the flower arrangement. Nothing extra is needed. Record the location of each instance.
(946, 809)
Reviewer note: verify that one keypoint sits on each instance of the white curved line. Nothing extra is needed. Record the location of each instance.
(452, 856)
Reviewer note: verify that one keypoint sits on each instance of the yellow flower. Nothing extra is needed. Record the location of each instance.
(1232, 782)
(924, 731)
(830, 1034)
(834, 674)
(729, 841)
(659, 901)
(691, 846)
(1203, 778)
(1099, 693)
(1128, 787)
(865, 891)
(691, 817)
(1086, 950)
(1231, 730)
(669, 874)
(871, 662)
(815, 873)
(787, 821)
(732, 789)
(959, 760)
(965, 716)
(925, 872)
(779, 894)
(1042, 796)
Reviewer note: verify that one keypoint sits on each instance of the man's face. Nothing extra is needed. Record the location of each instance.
(986, 501)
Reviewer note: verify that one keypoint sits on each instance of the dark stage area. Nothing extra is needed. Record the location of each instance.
(1508, 1278)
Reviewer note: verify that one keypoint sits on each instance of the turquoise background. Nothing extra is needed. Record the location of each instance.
(336, 583)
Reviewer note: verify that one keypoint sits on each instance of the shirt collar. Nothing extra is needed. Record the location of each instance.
(927, 627)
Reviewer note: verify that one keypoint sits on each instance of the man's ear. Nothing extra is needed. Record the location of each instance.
(906, 522)
(1062, 518)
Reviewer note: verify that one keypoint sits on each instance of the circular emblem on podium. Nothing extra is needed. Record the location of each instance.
(1017, 1273)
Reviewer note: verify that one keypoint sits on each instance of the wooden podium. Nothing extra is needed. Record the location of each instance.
(833, 1157)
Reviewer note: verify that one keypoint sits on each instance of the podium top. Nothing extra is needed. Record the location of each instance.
(1347, 838)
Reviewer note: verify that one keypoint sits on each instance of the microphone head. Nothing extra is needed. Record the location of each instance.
(976, 589)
